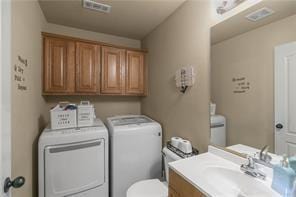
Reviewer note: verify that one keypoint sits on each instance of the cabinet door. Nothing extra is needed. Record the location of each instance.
(173, 193)
(135, 73)
(179, 187)
(59, 65)
(87, 67)
(113, 64)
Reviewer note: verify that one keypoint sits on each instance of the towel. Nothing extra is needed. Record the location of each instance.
(292, 162)
(283, 180)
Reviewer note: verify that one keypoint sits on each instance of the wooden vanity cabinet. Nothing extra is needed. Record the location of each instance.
(135, 73)
(173, 193)
(179, 187)
(113, 71)
(59, 66)
(87, 68)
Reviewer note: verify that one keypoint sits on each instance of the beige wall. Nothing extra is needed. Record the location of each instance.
(249, 115)
(28, 107)
(106, 106)
(183, 39)
(74, 32)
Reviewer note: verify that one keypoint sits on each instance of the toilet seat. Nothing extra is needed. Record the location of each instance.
(148, 188)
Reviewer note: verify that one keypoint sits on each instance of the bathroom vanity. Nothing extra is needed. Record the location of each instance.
(179, 187)
(217, 173)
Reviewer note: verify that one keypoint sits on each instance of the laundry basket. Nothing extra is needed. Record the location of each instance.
(86, 114)
(62, 119)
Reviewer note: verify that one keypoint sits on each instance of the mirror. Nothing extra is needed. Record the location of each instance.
(253, 78)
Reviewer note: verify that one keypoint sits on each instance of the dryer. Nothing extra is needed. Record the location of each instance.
(74, 162)
(135, 151)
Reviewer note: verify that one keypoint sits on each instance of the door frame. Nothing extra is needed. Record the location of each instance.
(279, 115)
(5, 93)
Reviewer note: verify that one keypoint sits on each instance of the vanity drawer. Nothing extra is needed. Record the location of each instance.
(179, 187)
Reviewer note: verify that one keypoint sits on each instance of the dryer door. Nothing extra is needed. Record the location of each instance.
(73, 168)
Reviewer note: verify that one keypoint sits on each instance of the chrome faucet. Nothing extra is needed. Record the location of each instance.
(251, 169)
(251, 162)
(264, 156)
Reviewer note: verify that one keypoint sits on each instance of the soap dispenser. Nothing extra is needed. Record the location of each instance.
(284, 178)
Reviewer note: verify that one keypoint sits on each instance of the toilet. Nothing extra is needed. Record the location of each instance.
(154, 187)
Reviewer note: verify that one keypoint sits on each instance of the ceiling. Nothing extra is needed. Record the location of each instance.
(128, 18)
(238, 24)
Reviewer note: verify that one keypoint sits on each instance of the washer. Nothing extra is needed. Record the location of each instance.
(74, 162)
(135, 151)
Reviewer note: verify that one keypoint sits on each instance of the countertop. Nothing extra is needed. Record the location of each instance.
(195, 170)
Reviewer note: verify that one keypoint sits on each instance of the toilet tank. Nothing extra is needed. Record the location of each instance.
(168, 156)
(218, 130)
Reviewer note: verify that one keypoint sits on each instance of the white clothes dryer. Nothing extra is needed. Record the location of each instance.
(74, 162)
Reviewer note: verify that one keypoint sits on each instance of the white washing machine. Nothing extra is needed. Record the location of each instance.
(74, 162)
(135, 151)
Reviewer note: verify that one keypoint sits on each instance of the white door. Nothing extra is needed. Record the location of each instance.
(5, 162)
(285, 99)
(5, 102)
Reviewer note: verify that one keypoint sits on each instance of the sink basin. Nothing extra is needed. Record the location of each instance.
(228, 182)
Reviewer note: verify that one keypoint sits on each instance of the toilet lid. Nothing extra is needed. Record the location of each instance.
(148, 188)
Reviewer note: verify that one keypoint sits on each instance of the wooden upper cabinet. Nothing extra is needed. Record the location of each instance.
(74, 66)
(113, 68)
(87, 67)
(135, 73)
(59, 65)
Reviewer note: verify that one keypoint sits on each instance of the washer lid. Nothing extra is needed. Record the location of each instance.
(148, 188)
(130, 120)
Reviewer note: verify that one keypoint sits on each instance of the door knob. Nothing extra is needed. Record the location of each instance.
(279, 126)
(16, 183)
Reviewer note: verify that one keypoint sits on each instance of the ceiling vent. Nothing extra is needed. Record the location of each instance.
(260, 14)
(89, 4)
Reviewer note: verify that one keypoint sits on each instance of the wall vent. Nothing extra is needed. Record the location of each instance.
(260, 14)
(89, 4)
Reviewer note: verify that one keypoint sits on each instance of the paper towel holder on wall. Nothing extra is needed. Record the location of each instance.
(185, 77)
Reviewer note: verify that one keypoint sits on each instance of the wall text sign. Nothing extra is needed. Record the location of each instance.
(19, 73)
(241, 85)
